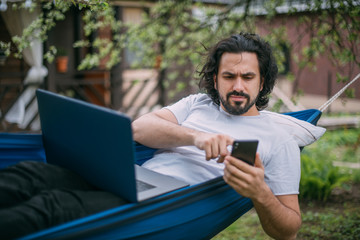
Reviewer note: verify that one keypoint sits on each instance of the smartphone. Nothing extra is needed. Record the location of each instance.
(245, 150)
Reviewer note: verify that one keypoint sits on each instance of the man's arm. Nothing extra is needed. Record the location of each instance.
(279, 215)
(160, 129)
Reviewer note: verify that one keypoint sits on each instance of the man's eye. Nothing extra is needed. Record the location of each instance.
(248, 77)
(228, 77)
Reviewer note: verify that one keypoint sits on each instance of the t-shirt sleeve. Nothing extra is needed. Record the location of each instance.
(182, 108)
(284, 169)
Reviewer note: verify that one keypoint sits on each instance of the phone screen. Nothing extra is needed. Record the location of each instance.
(245, 150)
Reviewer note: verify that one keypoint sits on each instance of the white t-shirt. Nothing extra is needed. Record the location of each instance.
(279, 152)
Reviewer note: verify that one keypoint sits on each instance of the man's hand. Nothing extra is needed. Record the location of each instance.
(214, 145)
(279, 215)
(244, 178)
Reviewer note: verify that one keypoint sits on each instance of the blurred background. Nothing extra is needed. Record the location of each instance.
(136, 56)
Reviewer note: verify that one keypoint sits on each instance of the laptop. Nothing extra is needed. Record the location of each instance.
(97, 144)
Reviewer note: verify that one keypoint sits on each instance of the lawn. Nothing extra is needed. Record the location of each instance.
(331, 221)
(330, 196)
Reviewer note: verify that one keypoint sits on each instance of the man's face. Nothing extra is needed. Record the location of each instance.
(238, 83)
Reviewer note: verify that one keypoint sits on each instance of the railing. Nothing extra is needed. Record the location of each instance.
(11, 88)
(139, 94)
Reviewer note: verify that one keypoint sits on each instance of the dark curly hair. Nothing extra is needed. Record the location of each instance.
(242, 42)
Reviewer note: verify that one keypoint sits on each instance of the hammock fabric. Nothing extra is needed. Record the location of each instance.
(197, 212)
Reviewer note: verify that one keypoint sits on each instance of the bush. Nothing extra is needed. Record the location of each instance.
(319, 178)
(318, 175)
(342, 144)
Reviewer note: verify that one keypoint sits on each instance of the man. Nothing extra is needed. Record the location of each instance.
(239, 74)
(195, 134)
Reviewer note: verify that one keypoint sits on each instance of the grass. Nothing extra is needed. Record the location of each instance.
(330, 222)
(246, 227)
(336, 218)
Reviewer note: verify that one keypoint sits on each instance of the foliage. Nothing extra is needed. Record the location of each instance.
(338, 145)
(355, 175)
(319, 176)
(177, 31)
(61, 52)
(96, 19)
(39, 28)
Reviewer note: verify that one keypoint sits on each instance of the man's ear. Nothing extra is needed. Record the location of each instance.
(215, 82)
(261, 84)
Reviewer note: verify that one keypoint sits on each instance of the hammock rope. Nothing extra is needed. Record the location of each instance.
(333, 98)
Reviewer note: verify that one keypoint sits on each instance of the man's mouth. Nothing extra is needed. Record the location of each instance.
(237, 98)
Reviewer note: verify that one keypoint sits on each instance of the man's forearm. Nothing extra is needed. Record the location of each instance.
(154, 131)
(278, 220)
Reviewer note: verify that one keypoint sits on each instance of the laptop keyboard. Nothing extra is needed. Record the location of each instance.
(142, 186)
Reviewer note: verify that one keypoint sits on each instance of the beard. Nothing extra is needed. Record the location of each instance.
(237, 108)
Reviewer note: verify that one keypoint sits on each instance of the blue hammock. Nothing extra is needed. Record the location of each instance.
(197, 212)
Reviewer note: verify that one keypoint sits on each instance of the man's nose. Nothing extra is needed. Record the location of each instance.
(238, 85)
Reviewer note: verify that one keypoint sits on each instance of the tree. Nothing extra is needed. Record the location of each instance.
(174, 33)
